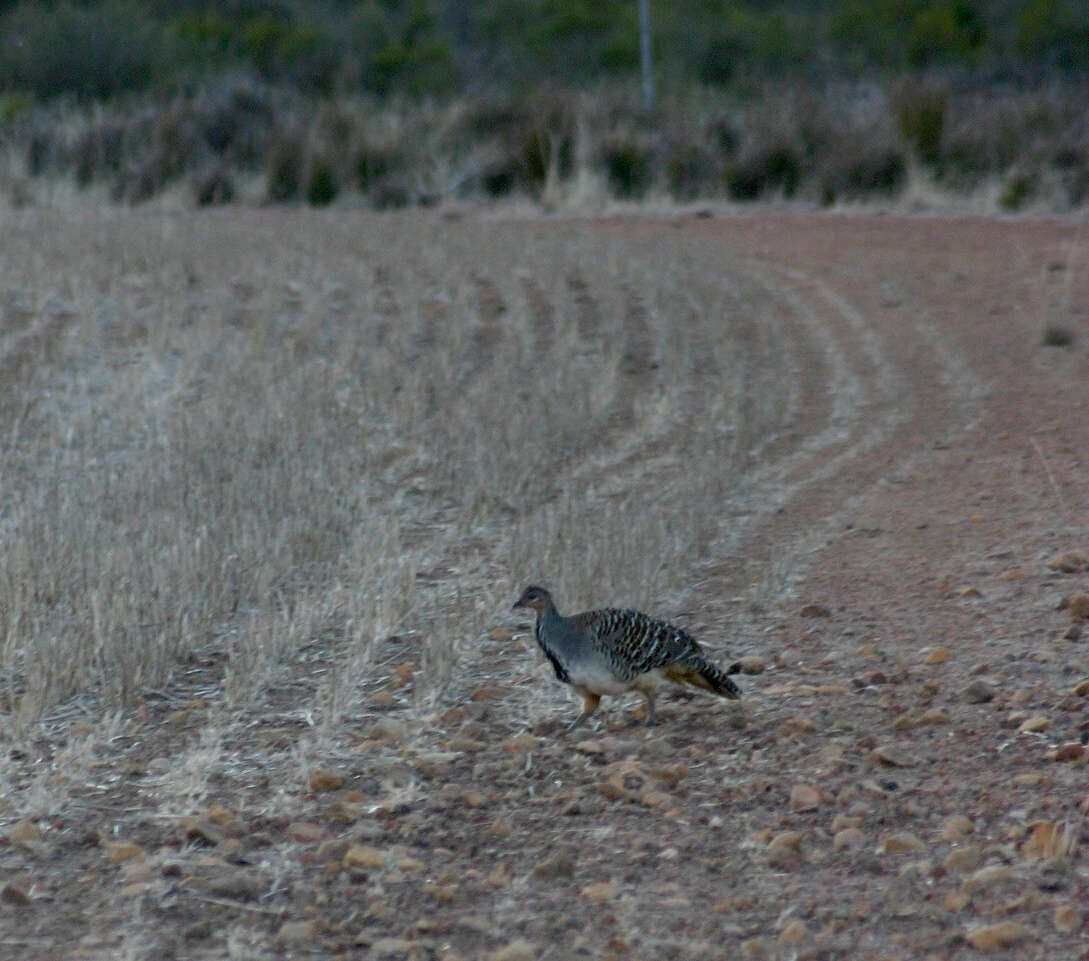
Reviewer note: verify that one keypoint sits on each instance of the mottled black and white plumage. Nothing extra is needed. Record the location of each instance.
(611, 651)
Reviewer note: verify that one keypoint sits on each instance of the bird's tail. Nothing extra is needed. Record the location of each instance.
(700, 672)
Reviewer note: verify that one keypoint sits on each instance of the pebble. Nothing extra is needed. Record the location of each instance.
(23, 831)
(306, 832)
(751, 664)
(324, 779)
(296, 932)
(1071, 751)
(600, 891)
(956, 827)
(364, 856)
(939, 655)
(124, 851)
(1067, 918)
(1081, 689)
(986, 876)
(850, 839)
(1034, 724)
(978, 692)
(805, 797)
(1077, 606)
(890, 756)
(1001, 934)
(794, 932)
(1069, 562)
(518, 950)
(900, 843)
(14, 894)
(963, 859)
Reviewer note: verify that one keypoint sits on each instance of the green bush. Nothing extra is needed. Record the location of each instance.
(774, 167)
(628, 168)
(920, 115)
(323, 188)
(1017, 191)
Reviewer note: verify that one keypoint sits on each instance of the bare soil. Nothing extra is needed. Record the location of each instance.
(880, 797)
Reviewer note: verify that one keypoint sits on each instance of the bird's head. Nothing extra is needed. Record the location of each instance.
(536, 597)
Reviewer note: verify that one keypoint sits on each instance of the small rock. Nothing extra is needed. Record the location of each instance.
(324, 779)
(1001, 934)
(815, 610)
(784, 850)
(956, 827)
(1067, 918)
(963, 859)
(1034, 724)
(306, 832)
(364, 856)
(1069, 562)
(957, 900)
(939, 655)
(560, 865)
(520, 743)
(518, 950)
(754, 949)
(220, 815)
(1072, 633)
(1013, 574)
(389, 730)
(499, 828)
(794, 932)
(1081, 689)
(978, 692)
(849, 839)
(500, 634)
(900, 843)
(1071, 751)
(124, 851)
(1077, 606)
(842, 821)
(12, 893)
(601, 891)
(296, 932)
(890, 756)
(590, 747)
(383, 698)
(203, 830)
(991, 874)
(805, 797)
(237, 885)
(934, 715)
(24, 831)
(473, 799)
(750, 664)
(969, 591)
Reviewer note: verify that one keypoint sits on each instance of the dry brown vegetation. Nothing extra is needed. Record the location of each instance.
(272, 479)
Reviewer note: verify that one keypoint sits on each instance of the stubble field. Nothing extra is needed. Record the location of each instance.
(271, 480)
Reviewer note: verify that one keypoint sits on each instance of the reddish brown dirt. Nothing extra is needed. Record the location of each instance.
(925, 519)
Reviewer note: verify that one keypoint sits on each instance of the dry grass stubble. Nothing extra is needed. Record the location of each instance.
(259, 433)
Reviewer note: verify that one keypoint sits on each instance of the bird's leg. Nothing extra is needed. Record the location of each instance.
(590, 701)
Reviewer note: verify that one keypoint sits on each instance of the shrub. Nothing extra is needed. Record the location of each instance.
(1017, 191)
(323, 188)
(285, 170)
(920, 115)
(774, 167)
(214, 189)
(1055, 335)
(628, 167)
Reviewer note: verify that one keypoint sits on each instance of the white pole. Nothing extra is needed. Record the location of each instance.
(644, 52)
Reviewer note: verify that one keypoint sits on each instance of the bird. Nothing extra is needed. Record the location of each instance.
(611, 650)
